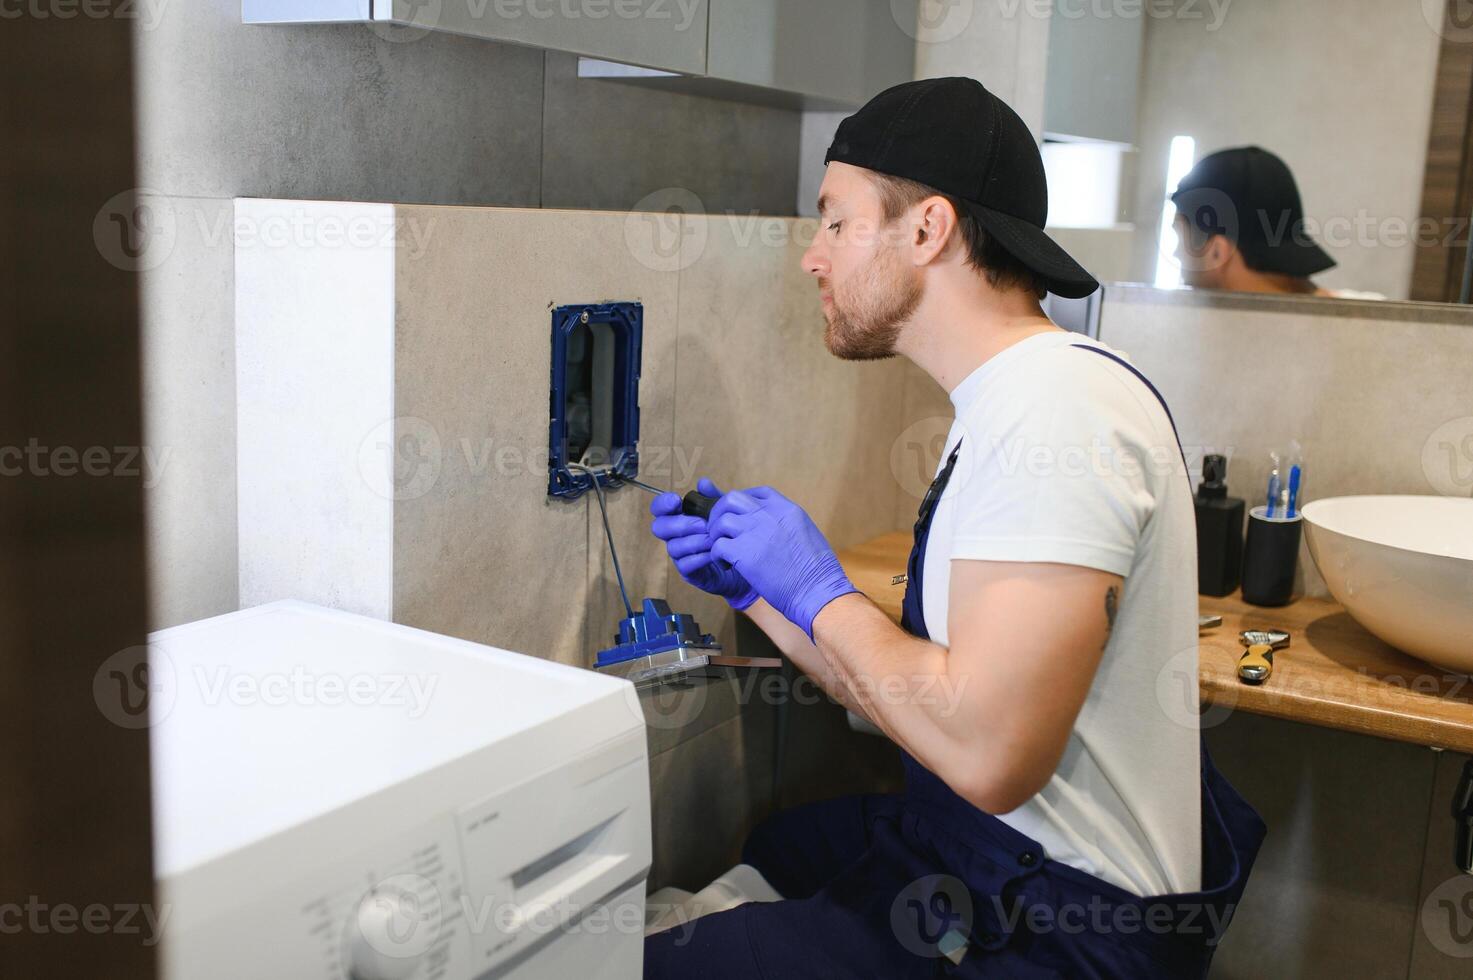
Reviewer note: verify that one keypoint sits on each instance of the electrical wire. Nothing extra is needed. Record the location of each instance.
(608, 532)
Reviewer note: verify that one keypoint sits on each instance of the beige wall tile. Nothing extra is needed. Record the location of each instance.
(485, 554)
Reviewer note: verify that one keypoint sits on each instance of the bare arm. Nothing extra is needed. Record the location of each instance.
(992, 714)
(796, 646)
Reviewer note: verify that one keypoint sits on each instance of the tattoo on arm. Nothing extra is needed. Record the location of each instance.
(1112, 597)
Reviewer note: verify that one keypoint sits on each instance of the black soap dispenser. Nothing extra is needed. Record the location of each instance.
(1219, 530)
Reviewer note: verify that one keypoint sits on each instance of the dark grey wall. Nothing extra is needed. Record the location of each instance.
(360, 113)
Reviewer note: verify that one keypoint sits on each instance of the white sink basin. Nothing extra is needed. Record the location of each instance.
(1403, 567)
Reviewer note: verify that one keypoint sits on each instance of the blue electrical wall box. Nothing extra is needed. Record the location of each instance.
(594, 399)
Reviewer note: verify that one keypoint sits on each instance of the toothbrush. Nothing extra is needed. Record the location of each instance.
(1273, 492)
(1293, 490)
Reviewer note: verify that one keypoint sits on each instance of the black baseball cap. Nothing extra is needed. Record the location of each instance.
(1249, 195)
(954, 135)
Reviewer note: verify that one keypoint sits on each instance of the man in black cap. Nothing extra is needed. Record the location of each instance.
(1042, 682)
(1240, 226)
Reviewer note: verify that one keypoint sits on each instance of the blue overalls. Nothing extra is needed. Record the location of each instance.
(923, 884)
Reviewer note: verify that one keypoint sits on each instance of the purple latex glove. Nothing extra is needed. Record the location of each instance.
(689, 545)
(776, 546)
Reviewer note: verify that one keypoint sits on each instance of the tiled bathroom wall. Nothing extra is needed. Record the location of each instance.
(345, 112)
(393, 405)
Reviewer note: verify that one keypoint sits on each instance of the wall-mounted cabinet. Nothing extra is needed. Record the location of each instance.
(1094, 69)
(820, 54)
(663, 34)
(831, 53)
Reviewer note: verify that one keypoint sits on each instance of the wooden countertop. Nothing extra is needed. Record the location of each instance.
(1333, 673)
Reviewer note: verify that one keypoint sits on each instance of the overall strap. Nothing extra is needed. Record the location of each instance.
(912, 619)
(1147, 382)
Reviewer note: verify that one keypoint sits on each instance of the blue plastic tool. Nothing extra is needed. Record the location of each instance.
(655, 641)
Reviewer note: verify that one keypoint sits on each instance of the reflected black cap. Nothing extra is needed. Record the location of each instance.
(1249, 195)
(954, 135)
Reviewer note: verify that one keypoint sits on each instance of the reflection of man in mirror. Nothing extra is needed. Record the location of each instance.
(1240, 227)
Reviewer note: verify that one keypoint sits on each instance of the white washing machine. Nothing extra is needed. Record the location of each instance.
(341, 797)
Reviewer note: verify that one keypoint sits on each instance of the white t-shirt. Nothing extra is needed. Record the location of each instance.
(1068, 457)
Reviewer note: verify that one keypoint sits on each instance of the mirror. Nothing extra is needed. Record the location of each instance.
(1359, 106)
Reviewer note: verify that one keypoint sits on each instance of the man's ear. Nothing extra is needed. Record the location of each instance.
(1219, 252)
(935, 227)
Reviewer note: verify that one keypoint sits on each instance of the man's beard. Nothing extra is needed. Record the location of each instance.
(866, 318)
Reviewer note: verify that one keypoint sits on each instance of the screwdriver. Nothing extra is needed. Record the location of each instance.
(693, 504)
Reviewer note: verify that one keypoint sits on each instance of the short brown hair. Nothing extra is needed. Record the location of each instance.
(1001, 267)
